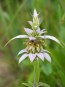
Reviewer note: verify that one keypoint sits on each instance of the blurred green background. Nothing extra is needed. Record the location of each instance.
(14, 15)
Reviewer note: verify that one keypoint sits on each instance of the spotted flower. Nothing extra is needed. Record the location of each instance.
(35, 41)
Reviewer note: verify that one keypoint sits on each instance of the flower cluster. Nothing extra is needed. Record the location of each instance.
(35, 41)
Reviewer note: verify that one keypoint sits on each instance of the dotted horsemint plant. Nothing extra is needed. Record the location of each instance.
(35, 41)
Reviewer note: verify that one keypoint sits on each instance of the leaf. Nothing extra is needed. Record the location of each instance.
(51, 37)
(28, 84)
(16, 37)
(46, 68)
(43, 84)
(31, 77)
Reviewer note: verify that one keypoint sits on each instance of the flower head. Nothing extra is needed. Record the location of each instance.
(35, 41)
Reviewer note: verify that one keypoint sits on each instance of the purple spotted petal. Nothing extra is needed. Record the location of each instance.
(22, 51)
(23, 57)
(46, 55)
(50, 37)
(40, 55)
(32, 57)
(28, 31)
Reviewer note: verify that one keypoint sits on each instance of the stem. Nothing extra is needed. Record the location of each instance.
(36, 73)
(34, 77)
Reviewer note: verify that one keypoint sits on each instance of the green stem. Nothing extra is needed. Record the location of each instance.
(36, 73)
(34, 77)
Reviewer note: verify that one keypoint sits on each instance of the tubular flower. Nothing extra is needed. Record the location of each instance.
(35, 41)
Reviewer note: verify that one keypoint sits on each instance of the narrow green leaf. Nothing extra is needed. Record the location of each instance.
(43, 84)
(46, 68)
